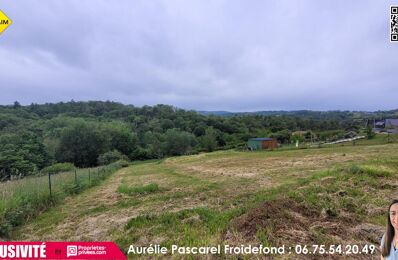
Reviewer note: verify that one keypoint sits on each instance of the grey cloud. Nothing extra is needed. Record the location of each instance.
(235, 55)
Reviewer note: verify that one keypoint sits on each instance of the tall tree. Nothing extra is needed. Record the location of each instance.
(81, 144)
(178, 142)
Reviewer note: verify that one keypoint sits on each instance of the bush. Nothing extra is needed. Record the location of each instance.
(58, 167)
(123, 163)
(110, 157)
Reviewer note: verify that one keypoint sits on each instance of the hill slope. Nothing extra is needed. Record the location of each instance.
(334, 195)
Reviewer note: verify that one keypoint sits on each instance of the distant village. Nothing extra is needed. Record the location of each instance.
(381, 126)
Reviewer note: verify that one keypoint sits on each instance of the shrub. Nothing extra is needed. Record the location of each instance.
(58, 167)
(123, 163)
(110, 157)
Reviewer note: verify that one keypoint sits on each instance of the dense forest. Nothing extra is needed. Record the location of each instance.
(91, 133)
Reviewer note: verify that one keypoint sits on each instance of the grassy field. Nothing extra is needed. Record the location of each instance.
(332, 195)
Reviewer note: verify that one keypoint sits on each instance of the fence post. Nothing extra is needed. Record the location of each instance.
(75, 177)
(49, 183)
(89, 176)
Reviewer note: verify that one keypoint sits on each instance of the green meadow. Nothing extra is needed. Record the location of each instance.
(332, 195)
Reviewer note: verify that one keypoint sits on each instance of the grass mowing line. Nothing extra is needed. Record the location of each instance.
(183, 179)
(175, 179)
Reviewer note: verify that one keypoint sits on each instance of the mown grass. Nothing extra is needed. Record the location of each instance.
(348, 189)
(190, 227)
(198, 197)
(22, 200)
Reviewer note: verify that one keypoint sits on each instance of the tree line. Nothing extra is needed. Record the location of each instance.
(91, 133)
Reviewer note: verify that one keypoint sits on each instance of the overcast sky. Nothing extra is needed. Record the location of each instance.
(204, 55)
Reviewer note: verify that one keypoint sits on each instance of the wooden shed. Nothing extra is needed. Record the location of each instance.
(262, 143)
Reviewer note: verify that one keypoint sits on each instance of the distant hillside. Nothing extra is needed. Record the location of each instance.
(91, 133)
(333, 114)
(217, 113)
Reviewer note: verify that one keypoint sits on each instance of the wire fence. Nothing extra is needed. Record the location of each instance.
(51, 186)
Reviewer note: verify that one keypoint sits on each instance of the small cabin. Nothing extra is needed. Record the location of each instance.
(261, 143)
(388, 125)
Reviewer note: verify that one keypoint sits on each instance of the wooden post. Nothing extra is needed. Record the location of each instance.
(49, 183)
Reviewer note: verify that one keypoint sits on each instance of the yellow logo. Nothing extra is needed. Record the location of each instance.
(4, 21)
